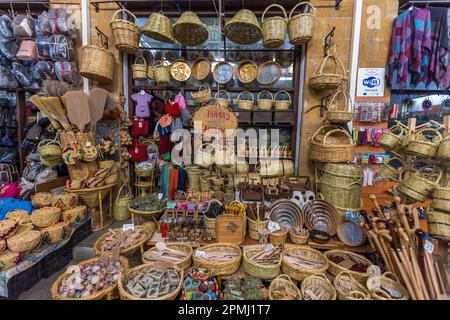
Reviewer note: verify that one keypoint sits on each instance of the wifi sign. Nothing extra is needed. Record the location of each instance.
(371, 82)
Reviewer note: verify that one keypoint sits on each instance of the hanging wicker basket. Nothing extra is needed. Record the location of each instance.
(126, 34)
(159, 28)
(419, 186)
(189, 30)
(301, 26)
(203, 95)
(161, 73)
(328, 79)
(245, 104)
(392, 139)
(264, 103)
(122, 202)
(339, 110)
(389, 172)
(201, 68)
(421, 146)
(243, 28)
(223, 102)
(282, 104)
(247, 71)
(274, 28)
(97, 64)
(139, 70)
(331, 144)
(223, 72)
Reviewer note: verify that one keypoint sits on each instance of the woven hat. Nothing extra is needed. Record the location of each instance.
(243, 28)
(189, 30)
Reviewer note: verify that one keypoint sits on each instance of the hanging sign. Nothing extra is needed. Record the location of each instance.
(370, 82)
(215, 117)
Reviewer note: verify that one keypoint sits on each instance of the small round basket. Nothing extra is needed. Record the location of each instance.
(222, 268)
(317, 287)
(247, 71)
(180, 70)
(274, 28)
(203, 95)
(243, 28)
(244, 104)
(319, 263)
(139, 70)
(280, 104)
(264, 103)
(189, 30)
(380, 286)
(41, 199)
(56, 233)
(8, 228)
(269, 73)
(184, 264)
(19, 215)
(24, 242)
(9, 259)
(74, 215)
(65, 201)
(262, 271)
(298, 238)
(283, 283)
(222, 101)
(348, 288)
(45, 217)
(335, 269)
(125, 33)
(392, 139)
(279, 237)
(201, 68)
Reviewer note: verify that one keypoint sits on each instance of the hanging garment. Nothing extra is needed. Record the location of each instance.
(439, 46)
(180, 100)
(142, 100)
(173, 182)
(421, 44)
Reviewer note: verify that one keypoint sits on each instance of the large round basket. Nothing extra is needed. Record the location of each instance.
(438, 223)
(24, 242)
(282, 104)
(45, 217)
(301, 26)
(201, 69)
(159, 28)
(108, 293)
(189, 30)
(243, 28)
(443, 153)
(247, 71)
(222, 268)
(388, 281)
(244, 104)
(335, 269)
(422, 146)
(182, 247)
(392, 139)
(274, 28)
(139, 70)
(125, 33)
(328, 79)
(317, 287)
(8, 228)
(348, 288)
(56, 233)
(339, 110)
(128, 274)
(334, 145)
(97, 64)
(262, 271)
(280, 283)
(306, 253)
(269, 73)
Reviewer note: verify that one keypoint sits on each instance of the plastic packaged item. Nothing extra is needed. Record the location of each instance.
(61, 48)
(7, 78)
(43, 46)
(6, 29)
(22, 74)
(42, 70)
(59, 23)
(43, 24)
(9, 49)
(27, 51)
(67, 71)
(23, 26)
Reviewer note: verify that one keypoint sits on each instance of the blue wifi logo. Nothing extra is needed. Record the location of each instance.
(371, 82)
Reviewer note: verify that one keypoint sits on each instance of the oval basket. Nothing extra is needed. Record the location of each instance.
(274, 28)
(334, 145)
(97, 64)
(335, 269)
(183, 247)
(264, 103)
(247, 71)
(45, 217)
(280, 283)
(203, 95)
(24, 242)
(386, 280)
(245, 104)
(282, 104)
(300, 273)
(316, 287)
(219, 268)
(126, 34)
(201, 68)
(392, 139)
(348, 288)
(146, 214)
(262, 271)
(301, 26)
(269, 73)
(223, 72)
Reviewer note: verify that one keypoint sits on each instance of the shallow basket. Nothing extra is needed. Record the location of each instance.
(274, 28)
(325, 79)
(74, 215)
(8, 228)
(89, 196)
(184, 247)
(24, 242)
(269, 73)
(335, 146)
(139, 70)
(262, 271)
(126, 34)
(9, 259)
(56, 233)
(219, 268)
(108, 293)
(264, 103)
(313, 286)
(97, 64)
(298, 273)
(45, 217)
(201, 68)
(438, 223)
(348, 288)
(245, 104)
(223, 72)
(127, 274)
(335, 269)
(301, 26)
(247, 71)
(387, 280)
(281, 282)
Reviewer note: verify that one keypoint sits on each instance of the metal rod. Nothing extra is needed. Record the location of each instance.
(409, 3)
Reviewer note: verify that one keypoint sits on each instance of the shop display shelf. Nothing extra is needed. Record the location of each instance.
(213, 89)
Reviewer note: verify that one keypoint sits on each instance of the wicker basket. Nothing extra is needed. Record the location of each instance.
(126, 34)
(189, 30)
(339, 111)
(24, 227)
(9, 259)
(223, 72)
(120, 211)
(392, 139)
(56, 233)
(24, 242)
(50, 152)
(348, 288)
(90, 196)
(65, 201)
(389, 172)
(45, 217)
(159, 28)
(268, 73)
(419, 187)
(317, 287)
(139, 70)
(211, 223)
(161, 73)
(245, 104)
(247, 71)
(97, 64)
(8, 228)
(203, 95)
(421, 146)
(264, 103)
(74, 215)
(254, 226)
(298, 273)
(154, 215)
(335, 269)
(219, 268)
(180, 70)
(274, 168)
(328, 79)
(278, 238)
(282, 104)
(280, 283)
(108, 293)
(274, 28)
(41, 199)
(183, 247)
(438, 223)
(243, 28)
(301, 26)
(127, 274)
(201, 68)
(223, 102)
(441, 198)
(262, 271)
(389, 281)
(298, 239)
(443, 153)
(21, 216)
(334, 145)
(3, 246)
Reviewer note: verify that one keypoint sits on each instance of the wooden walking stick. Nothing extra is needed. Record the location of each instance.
(385, 240)
(373, 198)
(432, 272)
(421, 263)
(403, 275)
(371, 235)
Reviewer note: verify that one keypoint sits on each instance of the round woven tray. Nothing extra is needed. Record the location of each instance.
(335, 269)
(219, 268)
(182, 264)
(299, 273)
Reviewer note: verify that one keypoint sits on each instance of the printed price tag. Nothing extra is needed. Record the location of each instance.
(140, 125)
(160, 195)
(136, 150)
(429, 247)
(199, 253)
(88, 144)
(129, 226)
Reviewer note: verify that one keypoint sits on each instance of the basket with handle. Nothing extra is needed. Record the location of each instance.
(210, 223)
(348, 288)
(419, 186)
(161, 73)
(282, 104)
(339, 113)
(390, 283)
(301, 26)
(264, 103)
(273, 28)
(323, 79)
(97, 63)
(280, 283)
(203, 95)
(159, 28)
(441, 198)
(125, 33)
(245, 104)
(335, 146)
(120, 210)
(139, 70)
(254, 226)
(443, 153)
(438, 221)
(317, 287)
(421, 146)
(335, 268)
(223, 102)
(50, 151)
(392, 139)
(390, 172)
(263, 271)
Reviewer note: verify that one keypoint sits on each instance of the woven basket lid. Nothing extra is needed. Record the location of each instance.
(243, 28)
(159, 27)
(189, 30)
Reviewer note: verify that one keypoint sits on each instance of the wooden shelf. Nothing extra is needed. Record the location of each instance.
(230, 89)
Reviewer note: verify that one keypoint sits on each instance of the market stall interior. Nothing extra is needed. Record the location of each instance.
(105, 160)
